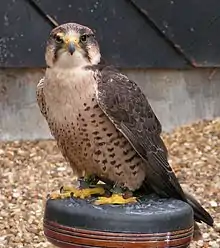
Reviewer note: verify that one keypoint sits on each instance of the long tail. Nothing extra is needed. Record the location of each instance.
(200, 214)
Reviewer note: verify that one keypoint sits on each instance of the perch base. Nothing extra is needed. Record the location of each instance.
(152, 222)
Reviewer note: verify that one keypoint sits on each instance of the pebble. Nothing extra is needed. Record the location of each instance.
(217, 227)
(31, 170)
(213, 203)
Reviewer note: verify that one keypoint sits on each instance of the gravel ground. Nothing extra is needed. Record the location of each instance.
(29, 170)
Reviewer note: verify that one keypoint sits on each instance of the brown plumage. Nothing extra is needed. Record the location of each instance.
(102, 121)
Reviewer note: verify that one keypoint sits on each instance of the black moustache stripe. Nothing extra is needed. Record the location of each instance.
(57, 48)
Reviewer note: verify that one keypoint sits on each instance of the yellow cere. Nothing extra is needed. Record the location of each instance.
(71, 38)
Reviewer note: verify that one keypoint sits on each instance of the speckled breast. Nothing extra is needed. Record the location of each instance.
(87, 137)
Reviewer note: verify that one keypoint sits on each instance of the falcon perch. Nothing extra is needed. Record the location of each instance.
(102, 121)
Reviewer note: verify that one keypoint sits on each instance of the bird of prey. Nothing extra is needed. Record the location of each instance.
(102, 121)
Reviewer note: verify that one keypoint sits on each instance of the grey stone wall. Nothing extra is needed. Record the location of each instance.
(177, 96)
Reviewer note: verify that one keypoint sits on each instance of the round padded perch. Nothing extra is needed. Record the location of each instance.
(152, 222)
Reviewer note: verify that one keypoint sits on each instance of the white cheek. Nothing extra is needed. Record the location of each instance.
(96, 59)
(94, 54)
(66, 60)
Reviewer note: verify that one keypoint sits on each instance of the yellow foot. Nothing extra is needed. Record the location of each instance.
(67, 192)
(115, 199)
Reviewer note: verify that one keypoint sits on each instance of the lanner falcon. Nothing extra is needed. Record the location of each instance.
(102, 121)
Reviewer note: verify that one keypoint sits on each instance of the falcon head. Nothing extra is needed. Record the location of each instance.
(72, 45)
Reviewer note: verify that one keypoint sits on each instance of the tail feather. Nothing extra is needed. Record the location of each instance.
(200, 214)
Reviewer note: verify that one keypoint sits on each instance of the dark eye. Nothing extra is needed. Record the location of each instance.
(83, 38)
(58, 39)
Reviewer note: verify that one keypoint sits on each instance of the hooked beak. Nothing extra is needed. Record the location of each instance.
(71, 42)
(71, 47)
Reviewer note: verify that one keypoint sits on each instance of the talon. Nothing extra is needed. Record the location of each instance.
(115, 199)
(67, 192)
(65, 189)
(61, 189)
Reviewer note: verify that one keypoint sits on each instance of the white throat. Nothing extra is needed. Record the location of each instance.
(67, 61)
(67, 90)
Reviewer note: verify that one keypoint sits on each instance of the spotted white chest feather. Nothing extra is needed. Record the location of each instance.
(86, 136)
(66, 90)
